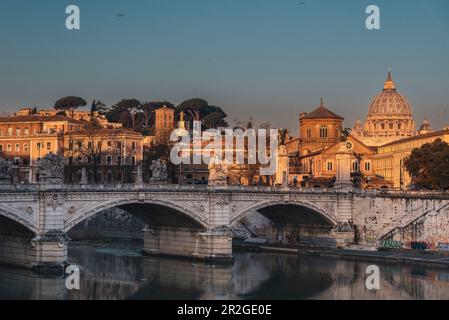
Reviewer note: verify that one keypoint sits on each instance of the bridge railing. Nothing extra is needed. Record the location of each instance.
(205, 188)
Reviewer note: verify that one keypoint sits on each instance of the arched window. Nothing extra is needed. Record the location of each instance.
(26, 132)
(324, 132)
(367, 166)
(9, 131)
(309, 133)
(355, 166)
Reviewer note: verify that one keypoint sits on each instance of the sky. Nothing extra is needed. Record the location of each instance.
(269, 59)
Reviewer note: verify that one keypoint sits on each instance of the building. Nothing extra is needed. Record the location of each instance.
(25, 139)
(110, 155)
(389, 159)
(315, 160)
(80, 115)
(164, 124)
(318, 129)
(390, 118)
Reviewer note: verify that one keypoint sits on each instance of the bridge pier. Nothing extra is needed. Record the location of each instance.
(43, 254)
(211, 245)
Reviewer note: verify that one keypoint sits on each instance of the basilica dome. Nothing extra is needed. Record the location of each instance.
(390, 102)
(390, 117)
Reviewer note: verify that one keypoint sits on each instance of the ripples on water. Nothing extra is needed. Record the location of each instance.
(111, 271)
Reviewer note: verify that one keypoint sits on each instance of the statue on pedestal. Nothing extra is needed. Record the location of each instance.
(156, 170)
(218, 172)
(51, 169)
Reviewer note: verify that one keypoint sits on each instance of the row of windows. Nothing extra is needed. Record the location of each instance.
(324, 132)
(108, 159)
(79, 145)
(165, 117)
(355, 166)
(17, 147)
(25, 147)
(26, 132)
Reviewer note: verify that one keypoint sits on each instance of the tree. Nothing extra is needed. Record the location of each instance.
(429, 165)
(100, 107)
(70, 104)
(124, 112)
(199, 109)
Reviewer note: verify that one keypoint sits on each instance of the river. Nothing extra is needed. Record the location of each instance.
(119, 271)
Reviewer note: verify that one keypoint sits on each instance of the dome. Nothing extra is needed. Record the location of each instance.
(390, 117)
(389, 102)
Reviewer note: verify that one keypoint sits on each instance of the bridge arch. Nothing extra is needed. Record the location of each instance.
(17, 216)
(184, 214)
(321, 212)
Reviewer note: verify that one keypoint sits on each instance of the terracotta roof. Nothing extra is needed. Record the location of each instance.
(38, 118)
(322, 113)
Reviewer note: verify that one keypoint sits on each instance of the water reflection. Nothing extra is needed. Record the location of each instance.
(112, 271)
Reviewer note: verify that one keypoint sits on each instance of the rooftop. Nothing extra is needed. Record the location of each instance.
(322, 113)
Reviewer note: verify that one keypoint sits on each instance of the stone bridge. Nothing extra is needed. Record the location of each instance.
(196, 221)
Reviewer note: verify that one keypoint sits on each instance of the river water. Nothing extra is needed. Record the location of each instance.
(119, 271)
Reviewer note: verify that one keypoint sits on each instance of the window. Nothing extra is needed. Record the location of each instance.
(355, 166)
(26, 132)
(17, 147)
(367, 166)
(109, 160)
(38, 146)
(10, 132)
(330, 166)
(133, 145)
(133, 161)
(48, 146)
(309, 133)
(18, 132)
(80, 145)
(99, 145)
(119, 145)
(324, 132)
(9, 148)
(1, 148)
(25, 147)
(119, 160)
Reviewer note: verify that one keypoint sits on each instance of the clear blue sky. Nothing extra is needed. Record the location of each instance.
(271, 59)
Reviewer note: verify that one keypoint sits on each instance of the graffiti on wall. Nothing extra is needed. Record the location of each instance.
(391, 244)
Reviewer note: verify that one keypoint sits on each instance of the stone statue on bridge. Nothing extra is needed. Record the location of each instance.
(51, 168)
(159, 171)
(218, 172)
(5, 171)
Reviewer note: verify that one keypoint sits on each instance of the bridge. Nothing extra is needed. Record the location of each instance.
(196, 221)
